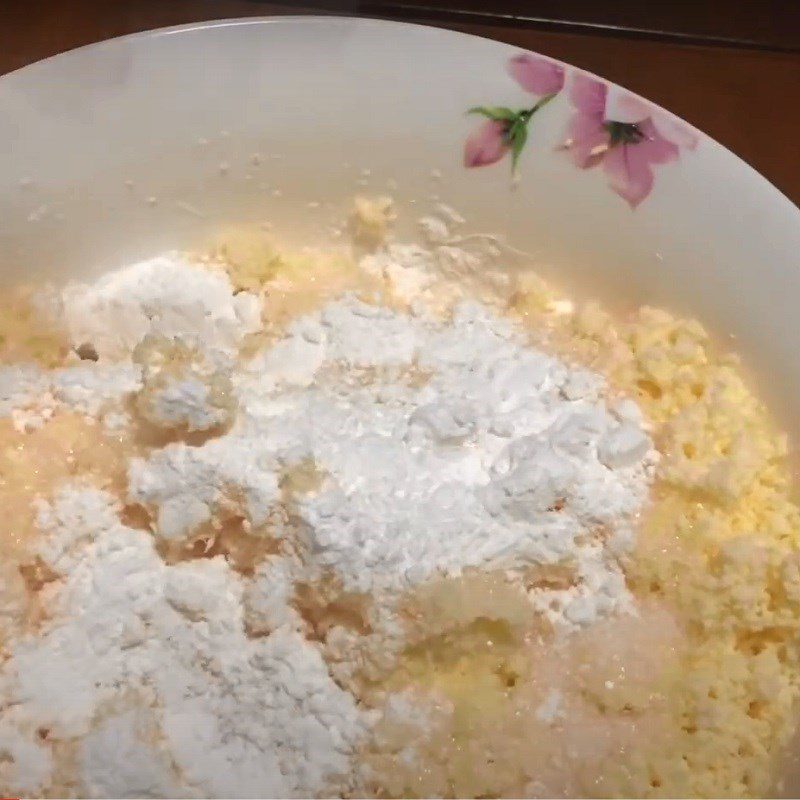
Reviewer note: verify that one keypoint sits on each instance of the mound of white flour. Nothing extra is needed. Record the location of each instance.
(443, 445)
(438, 445)
(147, 668)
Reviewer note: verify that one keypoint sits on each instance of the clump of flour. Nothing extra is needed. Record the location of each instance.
(182, 385)
(167, 326)
(238, 716)
(167, 296)
(29, 396)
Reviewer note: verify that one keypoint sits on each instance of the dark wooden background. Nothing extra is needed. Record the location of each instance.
(732, 68)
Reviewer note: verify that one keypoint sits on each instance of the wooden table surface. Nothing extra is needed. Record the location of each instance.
(745, 97)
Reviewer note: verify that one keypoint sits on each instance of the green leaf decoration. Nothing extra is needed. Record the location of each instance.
(496, 113)
(517, 137)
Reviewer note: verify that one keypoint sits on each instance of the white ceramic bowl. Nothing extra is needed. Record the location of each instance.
(123, 148)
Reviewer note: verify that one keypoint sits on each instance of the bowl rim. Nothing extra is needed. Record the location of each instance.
(377, 22)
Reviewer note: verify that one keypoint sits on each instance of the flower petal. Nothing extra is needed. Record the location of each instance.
(587, 94)
(675, 130)
(629, 175)
(630, 166)
(586, 140)
(486, 145)
(536, 74)
(654, 148)
(622, 106)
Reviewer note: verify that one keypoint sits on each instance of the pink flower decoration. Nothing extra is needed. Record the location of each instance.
(624, 134)
(506, 129)
(487, 145)
(536, 75)
(626, 107)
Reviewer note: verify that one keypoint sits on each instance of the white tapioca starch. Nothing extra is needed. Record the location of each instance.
(437, 441)
(442, 445)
